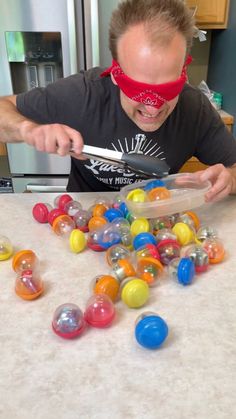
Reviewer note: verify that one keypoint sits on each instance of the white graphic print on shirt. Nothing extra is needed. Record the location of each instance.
(115, 176)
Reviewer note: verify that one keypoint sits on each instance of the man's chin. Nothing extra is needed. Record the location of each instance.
(149, 127)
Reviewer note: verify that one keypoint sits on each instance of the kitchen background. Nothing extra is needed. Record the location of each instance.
(42, 41)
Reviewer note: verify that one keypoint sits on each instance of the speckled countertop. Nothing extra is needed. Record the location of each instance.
(105, 374)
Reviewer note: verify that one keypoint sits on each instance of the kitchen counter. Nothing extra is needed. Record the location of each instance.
(105, 373)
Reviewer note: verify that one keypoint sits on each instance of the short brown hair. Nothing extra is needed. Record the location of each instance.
(161, 18)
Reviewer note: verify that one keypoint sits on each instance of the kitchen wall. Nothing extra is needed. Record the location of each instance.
(200, 52)
(222, 63)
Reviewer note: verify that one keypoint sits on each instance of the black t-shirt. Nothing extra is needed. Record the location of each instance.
(91, 104)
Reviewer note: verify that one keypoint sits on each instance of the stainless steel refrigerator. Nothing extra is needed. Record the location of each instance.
(41, 41)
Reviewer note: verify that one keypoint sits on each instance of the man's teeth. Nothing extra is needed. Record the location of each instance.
(147, 115)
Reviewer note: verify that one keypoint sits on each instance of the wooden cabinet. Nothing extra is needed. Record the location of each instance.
(210, 14)
(193, 164)
(3, 150)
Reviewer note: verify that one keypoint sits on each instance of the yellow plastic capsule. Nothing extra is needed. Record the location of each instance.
(184, 233)
(77, 241)
(135, 292)
(140, 225)
(137, 195)
(6, 249)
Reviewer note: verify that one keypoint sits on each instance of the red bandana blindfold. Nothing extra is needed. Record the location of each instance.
(148, 94)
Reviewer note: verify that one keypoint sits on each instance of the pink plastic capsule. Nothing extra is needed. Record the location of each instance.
(100, 311)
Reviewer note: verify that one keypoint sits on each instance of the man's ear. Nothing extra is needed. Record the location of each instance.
(112, 79)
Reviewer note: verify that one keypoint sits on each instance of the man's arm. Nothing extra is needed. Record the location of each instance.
(50, 138)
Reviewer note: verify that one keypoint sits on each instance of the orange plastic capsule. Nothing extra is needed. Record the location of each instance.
(98, 210)
(158, 193)
(150, 270)
(96, 222)
(107, 284)
(195, 219)
(122, 269)
(24, 259)
(63, 225)
(29, 285)
(215, 250)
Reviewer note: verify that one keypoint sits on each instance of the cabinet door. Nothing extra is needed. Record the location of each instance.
(210, 13)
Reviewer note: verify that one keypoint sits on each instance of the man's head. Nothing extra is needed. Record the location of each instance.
(150, 40)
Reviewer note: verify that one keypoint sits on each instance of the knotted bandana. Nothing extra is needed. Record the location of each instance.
(148, 94)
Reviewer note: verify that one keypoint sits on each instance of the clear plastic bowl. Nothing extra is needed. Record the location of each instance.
(186, 194)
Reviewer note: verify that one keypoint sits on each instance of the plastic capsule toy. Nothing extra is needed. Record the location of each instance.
(190, 218)
(104, 201)
(61, 200)
(215, 250)
(108, 235)
(124, 209)
(77, 241)
(112, 213)
(206, 232)
(28, 285)
(139, 225)
(106, 284)
(185, 234)
(100, 311)
(168, 249)
(182, 270)
(137, 195)
(159, 224)
(71, 207)
(121, 224)
(117, 252)
(122, 269)
(53, 214)
(198, 255)
(134, 292)
(41, 211)
(81, 219)
(93, 241)
(150, 330)
(63, 225)
(117, 200)
(6, 248)
(143, 238)
(24, 260)
(147, 250)
(158, 194)
(165, 234)
(156, 183)
(96, 222)
(130, 217)
(98, 210)
(68, 321)
(150, 270)
(123, 227)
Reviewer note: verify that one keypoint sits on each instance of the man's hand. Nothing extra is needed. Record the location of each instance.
(52, 138)
(223, 181)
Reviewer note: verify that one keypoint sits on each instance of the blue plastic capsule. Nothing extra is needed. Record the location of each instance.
(143, 238)
(150, 330)
(182, 269)
(156, 183)
(113, 213)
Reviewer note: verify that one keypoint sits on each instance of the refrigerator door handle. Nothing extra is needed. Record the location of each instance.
(91, 33)
(30, 187)
(72, 35)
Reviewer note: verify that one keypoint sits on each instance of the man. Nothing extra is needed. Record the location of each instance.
(140, 104)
